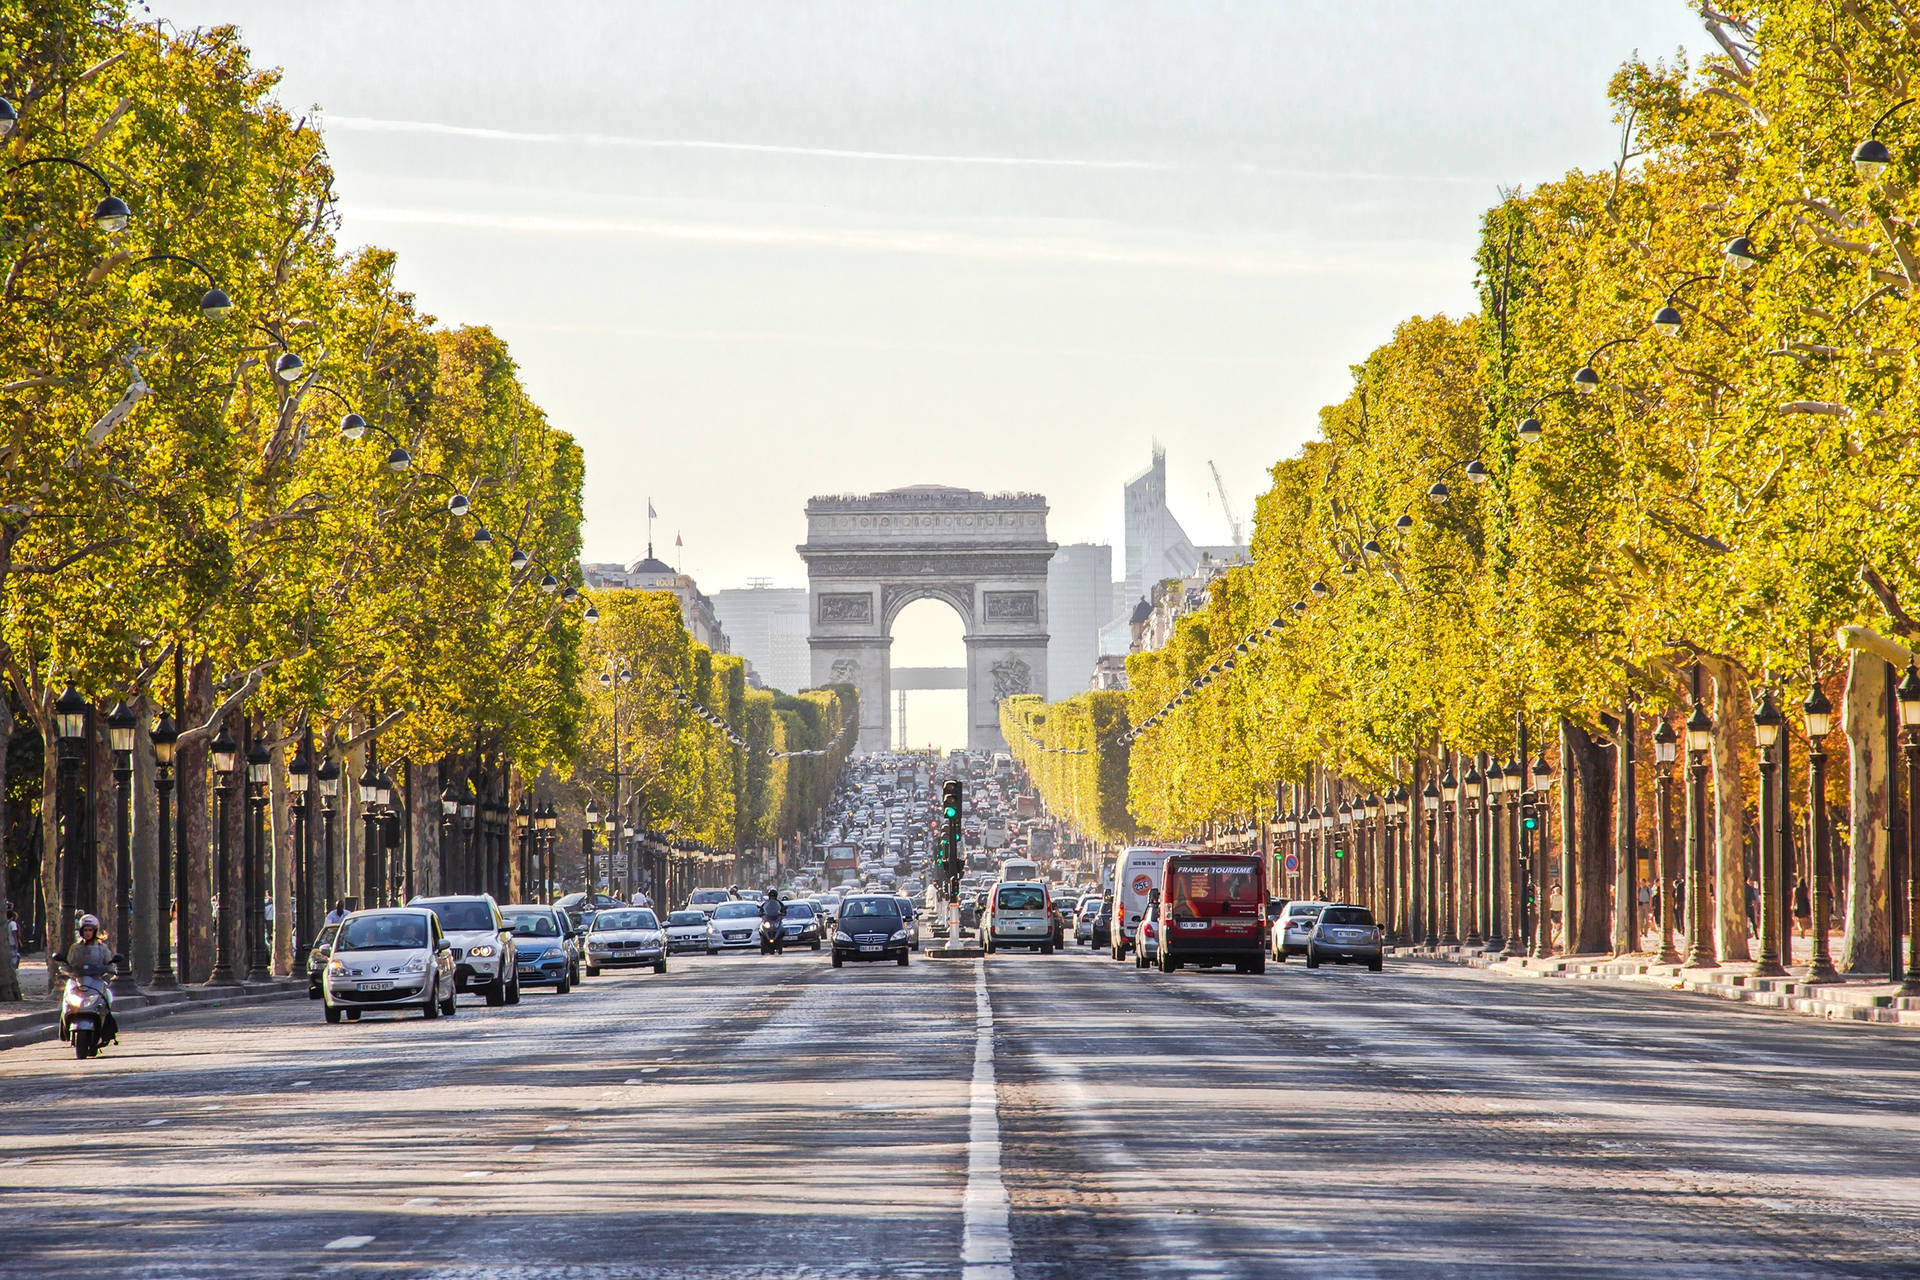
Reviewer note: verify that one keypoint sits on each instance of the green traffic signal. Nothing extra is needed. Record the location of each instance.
(1339, 852)
(952, 812)
(1530, 822)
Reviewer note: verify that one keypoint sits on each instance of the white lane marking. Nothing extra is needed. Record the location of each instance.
(349, 1242)
(421, 1202)
(301, 1084)
(152, 1123)
(522, 1146)
(556, 1128)
(986, 1243)
(591, 1106)
(478, 1173)
(15, 1162)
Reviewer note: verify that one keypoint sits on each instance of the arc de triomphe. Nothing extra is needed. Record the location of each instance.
(868, 557)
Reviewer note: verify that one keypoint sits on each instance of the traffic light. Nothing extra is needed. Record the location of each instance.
(951, 796)
(1530, 814)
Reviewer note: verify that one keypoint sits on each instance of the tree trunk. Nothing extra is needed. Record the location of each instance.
(424, 816)
(1863, 718)
(1586, 829)
(1732, 722)
(196, 828)
(9, 976)
(52, 882)
(101, 817)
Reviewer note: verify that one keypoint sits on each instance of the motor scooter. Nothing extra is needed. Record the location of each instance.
(773, 937)
(86, 1010)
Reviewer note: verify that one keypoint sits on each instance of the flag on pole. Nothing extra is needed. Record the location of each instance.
(651, 513)
(677, 542)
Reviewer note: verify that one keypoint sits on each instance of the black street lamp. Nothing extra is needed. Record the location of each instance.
(1430, 808)
(1466, 838)
(224, 751)
(1542, 905)
(328, 777)
(305, 923)
(522, 827)
(1700, 949)
(1871, 157)
(111, 215)
(1665, 741)
(165, 737)
(1908, 695)
(259, 776)
(1819, 714)
(370, 877)
(1449, 856)
(121, 724)
(383, 799)
(1766, 733)
(70, 722)
(449, 837)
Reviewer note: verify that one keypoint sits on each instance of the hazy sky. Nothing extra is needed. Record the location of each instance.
(749, 252)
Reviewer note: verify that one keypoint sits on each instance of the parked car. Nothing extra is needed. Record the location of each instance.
(580, 908)
(735, 926)
(1146, 938)
(626, 936)
(483, 951)
(870, 928)
(1346, 935)
(541, 958)
(391, 958)
(687, 930)
(317, 959)
(1293, 925)
(802, 925)
(1019, 915)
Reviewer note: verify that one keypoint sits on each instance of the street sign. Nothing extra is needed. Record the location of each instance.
(1293, 862)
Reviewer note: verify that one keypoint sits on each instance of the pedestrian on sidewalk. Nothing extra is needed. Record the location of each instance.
(1753, 905)
(1803, 908)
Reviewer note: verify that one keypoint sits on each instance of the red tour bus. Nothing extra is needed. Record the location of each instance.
(1212, 909)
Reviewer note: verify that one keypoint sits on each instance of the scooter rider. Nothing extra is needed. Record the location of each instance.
(90, 958)
(771, 916)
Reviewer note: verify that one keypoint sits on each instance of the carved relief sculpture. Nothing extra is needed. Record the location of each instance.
(1011, 675)
(846, 608)
(1013, 606)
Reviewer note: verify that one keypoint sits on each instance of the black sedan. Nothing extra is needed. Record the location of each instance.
(870, 928)
(802, 925)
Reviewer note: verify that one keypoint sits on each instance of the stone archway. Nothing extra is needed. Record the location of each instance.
(870, 556)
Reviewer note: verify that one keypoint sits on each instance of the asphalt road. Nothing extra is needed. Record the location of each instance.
(1020, 1117)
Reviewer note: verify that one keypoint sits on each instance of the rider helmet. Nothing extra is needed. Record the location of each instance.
(89, 921)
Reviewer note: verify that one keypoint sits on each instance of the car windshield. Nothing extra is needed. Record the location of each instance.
(1302, 915)
(687, 917)
(869, 907)
(700, 897)
(1022, 898)
(383, 933)
(326, 935)
(462, 917)
(1346, 915)
(636, 918)
(534, 924)
(736, 910)
(800, 910)
(1204, 890)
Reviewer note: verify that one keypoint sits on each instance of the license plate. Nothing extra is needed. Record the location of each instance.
(1193, 924)
(872, 946)
(376, 986)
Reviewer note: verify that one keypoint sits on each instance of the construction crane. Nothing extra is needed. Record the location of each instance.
(1226, 505)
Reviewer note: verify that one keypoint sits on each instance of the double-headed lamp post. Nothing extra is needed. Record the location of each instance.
(1766, 734)
(70, 722)
(1819, 715)
(1467, 838)
(591, 825)
(165, 737)
(1700, 952)
(1449, 856)
(328, 777)
(121, 724)
(522, 828)
(299, 780)
(1665, 741)
(369, 787)
(1430, 808)
(1542, 789)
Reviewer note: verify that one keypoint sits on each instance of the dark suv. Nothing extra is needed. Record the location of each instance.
(870, 927)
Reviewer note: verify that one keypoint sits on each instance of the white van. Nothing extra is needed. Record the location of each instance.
(1136, 874)
(1019, 869)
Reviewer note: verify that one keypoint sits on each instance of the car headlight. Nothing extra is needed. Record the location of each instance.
(842, 937)
(480, 952)
(900, 935)
(416, 965)
(337, 966)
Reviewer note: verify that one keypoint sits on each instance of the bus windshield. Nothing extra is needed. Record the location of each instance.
(1205, 890)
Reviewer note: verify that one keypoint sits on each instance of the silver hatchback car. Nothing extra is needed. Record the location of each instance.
(1346, 935)
(393, 958)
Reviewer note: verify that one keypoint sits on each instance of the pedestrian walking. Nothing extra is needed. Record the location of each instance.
(1753, 905)
(338, 913)
(1803, 908)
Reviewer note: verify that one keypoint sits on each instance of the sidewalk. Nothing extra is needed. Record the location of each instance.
(37, 1018)
(1849, 999)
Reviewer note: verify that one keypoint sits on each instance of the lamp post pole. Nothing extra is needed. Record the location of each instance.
(259, 774)
(1496, 856)
(370, 843)
(1700, 953)
(223, 752)
(163, 736)
(1909, 698)
(70, 717)
(1430, 810)
(1819, 714)
(121, 724)
(328, 776)
(587, 829)
(1664, 740)
(305, 922)
(1766, 729)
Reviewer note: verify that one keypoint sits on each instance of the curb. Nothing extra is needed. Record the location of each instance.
(165, 1003)
(1854, 1002)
